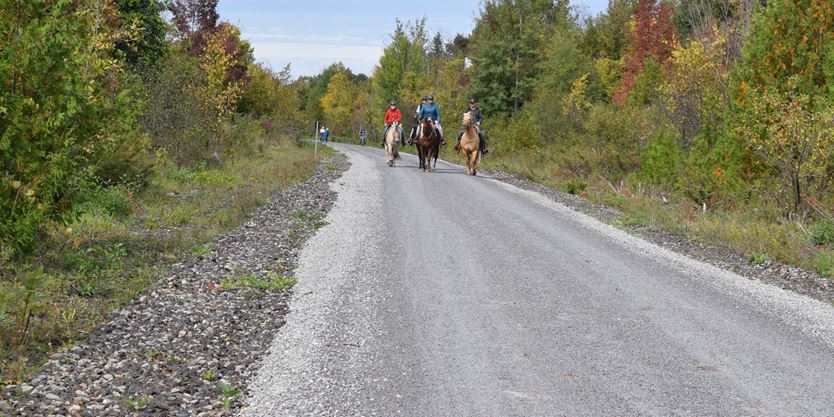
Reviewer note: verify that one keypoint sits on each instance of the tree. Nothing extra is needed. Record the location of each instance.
(195, 21)
(339, 103)
(652, 36)
(508, 42)
(792, 39)
(605, 36)
(61, 103)
(146, 45)
(793, 134)
(404, 57)
(225, 59)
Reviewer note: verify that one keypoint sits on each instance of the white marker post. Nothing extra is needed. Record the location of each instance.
(316, 141)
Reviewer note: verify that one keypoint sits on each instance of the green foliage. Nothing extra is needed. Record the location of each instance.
(339, 102)
(403, 59)
(136, 404)
(509, 39)
(522, 133)
(757, 258)
(22, 298)
(824, 263)
(227, 394)
(662, 161)
(823, 232)
(791, 40)
(61, 106)
(575, 186)
(176, 118)
(258, 286)
(794, 134)
(605, 35)
(144, 46)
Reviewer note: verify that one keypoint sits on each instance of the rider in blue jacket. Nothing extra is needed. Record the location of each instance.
(430, 111)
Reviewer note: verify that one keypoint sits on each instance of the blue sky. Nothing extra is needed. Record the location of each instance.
(312, 34)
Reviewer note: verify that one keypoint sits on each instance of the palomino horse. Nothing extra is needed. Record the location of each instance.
(470, 144)
(428, 145)
(392, 141)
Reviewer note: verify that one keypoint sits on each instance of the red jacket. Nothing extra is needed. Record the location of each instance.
(392, 116)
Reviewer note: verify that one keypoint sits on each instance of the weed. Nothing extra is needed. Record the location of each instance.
(137, 404)
(575, 187)
(201, 250)
(824, 263)
(757, 258)
(23, 298)
(319, 224)
(155, 354)
(302, 215)
(823, 232)
(208, 375)
(227, 394)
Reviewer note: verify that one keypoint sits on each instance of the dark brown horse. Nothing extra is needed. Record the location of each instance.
(428, 145)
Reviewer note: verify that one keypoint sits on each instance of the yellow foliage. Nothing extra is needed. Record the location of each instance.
(339, 102)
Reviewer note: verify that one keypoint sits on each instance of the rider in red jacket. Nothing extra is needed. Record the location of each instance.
(392, 115)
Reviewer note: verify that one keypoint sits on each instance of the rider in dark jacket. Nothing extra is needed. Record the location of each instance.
(477, 117)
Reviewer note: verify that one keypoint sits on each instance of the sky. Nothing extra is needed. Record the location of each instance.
(312, 34)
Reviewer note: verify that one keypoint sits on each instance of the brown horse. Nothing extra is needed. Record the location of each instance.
(470, 144)
(428, 145)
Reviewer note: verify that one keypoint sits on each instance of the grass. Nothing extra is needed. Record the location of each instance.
(251, 284)
(103, 259)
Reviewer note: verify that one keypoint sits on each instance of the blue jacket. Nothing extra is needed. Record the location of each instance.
(430, 111)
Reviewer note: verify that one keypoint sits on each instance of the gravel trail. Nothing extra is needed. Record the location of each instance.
(440, 294)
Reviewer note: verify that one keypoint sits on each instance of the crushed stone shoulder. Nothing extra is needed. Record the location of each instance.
(168, 352)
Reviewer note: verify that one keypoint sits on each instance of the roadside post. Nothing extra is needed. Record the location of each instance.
(316, 141)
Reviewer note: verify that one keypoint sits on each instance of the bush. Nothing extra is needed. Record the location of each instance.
(62, 102)
(129, 161)
(177, 118)
(661, 161)
(115, 202)
(823, 232)
(824, 264)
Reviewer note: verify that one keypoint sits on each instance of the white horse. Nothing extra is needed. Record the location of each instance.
(392, 141)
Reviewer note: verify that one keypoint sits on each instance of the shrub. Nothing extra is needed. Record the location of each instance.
(661, 161)
(823, 232)
(63, 102)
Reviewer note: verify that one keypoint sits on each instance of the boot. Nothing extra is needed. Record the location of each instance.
(483, 144)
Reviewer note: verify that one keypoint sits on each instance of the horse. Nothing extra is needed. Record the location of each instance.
(392, 141)
(470, 145)
(428, 145)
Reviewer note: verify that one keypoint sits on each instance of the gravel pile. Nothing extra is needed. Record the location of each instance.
(190, 345)
(781, 275)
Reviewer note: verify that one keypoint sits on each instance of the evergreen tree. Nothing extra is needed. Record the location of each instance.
(509, 39)
(145, 46)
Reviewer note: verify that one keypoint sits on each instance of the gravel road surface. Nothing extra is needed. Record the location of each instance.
(442, 294)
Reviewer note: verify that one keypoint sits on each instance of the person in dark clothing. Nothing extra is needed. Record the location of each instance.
(477, 117)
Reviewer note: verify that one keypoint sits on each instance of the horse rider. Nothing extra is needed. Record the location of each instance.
(391, 115)
(476, 118)
(431, 112)
(413, 134)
